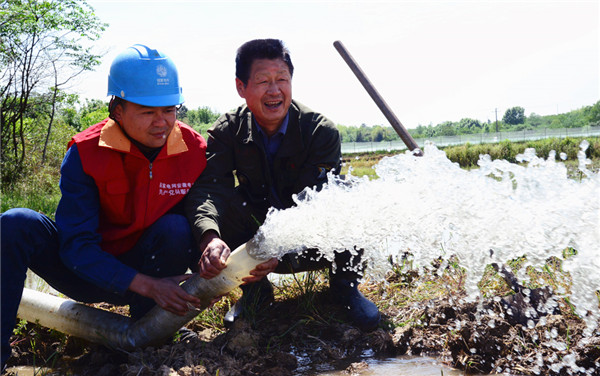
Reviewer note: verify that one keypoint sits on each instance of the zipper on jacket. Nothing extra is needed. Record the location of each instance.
(150, 170)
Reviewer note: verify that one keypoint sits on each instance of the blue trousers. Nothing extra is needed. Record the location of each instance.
(30, 240)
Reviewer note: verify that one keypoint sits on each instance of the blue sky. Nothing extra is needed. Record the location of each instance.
(431, 61)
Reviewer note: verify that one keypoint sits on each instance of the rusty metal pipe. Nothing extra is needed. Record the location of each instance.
(158, 325)
(379, 101)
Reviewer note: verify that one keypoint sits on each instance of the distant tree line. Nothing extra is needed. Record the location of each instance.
(365, 133)
(514, 119)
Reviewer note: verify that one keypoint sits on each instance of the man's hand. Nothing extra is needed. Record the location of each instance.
(214, 255)
(261, 270)
(166, 292)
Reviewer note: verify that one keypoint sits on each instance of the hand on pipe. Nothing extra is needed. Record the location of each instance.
(214, 255)
(261, 270)
(166, 292)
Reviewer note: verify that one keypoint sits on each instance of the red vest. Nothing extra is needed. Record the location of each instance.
(133, 192)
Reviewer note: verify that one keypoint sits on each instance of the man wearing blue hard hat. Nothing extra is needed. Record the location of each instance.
(120, 235)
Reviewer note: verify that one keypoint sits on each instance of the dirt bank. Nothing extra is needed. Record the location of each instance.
(298, 333)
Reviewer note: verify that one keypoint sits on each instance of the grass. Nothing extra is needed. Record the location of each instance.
(361, 165)
(46, 346)
(38, 191)
(212, 318)
(305, 286)
(301, 286)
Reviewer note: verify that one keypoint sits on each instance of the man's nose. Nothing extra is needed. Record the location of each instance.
(273, 88)
(162, 116)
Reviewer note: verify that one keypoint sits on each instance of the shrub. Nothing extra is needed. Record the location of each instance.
(467, 155)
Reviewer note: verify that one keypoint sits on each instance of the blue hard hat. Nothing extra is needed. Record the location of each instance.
(145, 76)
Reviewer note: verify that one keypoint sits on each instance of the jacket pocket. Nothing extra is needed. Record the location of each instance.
(117, 203)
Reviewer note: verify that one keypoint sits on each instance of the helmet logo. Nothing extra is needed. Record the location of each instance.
(161, 71)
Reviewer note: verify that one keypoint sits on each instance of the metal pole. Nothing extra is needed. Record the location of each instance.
(383, 106)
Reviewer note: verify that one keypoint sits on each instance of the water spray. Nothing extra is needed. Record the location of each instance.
(429, 207)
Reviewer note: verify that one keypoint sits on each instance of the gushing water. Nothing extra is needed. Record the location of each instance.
(429, 207)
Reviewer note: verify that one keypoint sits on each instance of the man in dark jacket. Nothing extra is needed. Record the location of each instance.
(276, 147)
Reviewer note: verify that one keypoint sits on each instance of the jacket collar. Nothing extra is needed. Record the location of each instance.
(292, 141)
(112, 136)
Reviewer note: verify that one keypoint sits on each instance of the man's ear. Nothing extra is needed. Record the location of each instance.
(118, 113)
(241, 88)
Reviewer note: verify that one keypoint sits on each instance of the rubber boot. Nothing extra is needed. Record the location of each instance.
(362, 312)
(254, 296)
(185, 334)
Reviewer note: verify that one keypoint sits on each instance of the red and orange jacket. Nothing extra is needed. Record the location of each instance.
(111, 193)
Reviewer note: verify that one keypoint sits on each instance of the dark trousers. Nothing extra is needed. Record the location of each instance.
(30, 240)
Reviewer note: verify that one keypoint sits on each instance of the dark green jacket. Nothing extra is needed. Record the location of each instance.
(310, 148)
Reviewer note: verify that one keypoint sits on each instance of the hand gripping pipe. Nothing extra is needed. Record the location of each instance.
(117, 331)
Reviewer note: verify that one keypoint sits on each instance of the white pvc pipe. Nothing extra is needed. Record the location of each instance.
(121, 332)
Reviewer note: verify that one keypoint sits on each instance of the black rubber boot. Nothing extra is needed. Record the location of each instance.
(185, 334)
(254, 296)
(362, 312)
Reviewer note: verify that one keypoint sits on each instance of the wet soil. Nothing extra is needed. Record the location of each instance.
(297, 335)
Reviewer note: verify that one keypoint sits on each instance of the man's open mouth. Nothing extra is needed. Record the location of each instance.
(273, 104)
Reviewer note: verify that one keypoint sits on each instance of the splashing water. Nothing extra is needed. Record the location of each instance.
(429, 206)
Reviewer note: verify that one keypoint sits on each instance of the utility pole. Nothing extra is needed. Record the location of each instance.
(496, 120)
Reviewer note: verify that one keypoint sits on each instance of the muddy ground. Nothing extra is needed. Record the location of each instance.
(296, 334)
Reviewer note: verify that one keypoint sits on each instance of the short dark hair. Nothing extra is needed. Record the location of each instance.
(114, 102)
(260, 49)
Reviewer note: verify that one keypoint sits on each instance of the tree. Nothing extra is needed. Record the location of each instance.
(534, 120)
(353, 134)
(377, 133)
(201, 116)
(390, 134)
(42, 48)
(447, 128)
(514, 116)
(592, 114)
(419, 131)
(93, 111)
(468, 126)
(345, 134)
